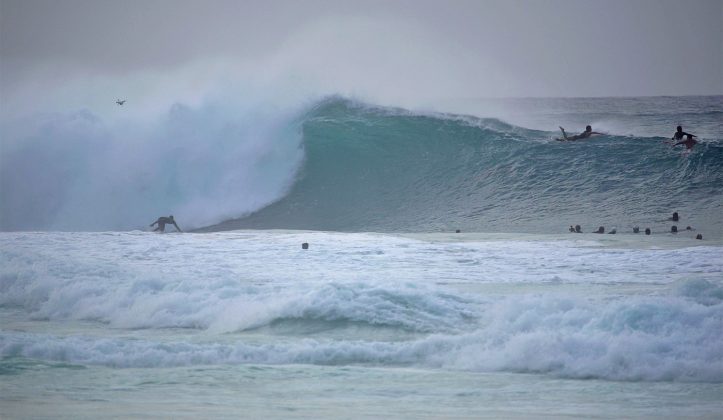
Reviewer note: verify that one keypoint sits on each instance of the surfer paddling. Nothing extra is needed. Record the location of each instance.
(162, 222)
(585, 134)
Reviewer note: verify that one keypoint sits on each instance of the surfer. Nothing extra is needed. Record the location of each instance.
(689, 141)
(585, 134)
(679, 133)
(162, 222)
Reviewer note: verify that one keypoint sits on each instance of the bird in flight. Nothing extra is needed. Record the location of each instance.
(119, 102)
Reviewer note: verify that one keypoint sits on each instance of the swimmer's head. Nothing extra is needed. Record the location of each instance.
(679, 128)
(588, 128)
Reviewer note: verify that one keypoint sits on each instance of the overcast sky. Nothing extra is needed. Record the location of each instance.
(378, 49)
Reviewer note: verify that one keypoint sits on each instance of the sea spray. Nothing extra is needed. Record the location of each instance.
(204, 164)
(343, 165)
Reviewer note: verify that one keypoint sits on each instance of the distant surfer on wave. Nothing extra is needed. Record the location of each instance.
(585, 134)
(679, 133)
(162, 222)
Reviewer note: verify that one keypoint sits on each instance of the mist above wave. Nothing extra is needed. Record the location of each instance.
(204, 164)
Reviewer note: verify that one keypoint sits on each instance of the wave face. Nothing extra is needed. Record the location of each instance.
(345, 166)
(379, 169)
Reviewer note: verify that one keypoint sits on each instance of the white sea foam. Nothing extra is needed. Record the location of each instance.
(613, 308)
(205, 163)
(640, 338)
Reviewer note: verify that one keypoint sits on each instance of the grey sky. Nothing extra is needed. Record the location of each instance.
(422, 49)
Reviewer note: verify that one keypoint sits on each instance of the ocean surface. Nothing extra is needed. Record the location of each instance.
(389, 313)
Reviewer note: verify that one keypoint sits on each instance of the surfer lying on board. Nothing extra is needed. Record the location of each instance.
(162, 222)
(585, 134)
(689, 142)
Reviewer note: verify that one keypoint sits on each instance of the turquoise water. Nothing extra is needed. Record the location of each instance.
(331, 392)
(377, 169)
(341, 165)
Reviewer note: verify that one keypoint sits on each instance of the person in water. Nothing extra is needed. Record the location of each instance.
(679, 133)
(689, 142)
(585, 134)
(162, 222)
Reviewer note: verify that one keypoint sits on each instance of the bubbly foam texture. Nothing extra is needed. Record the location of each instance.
(631, 339)
(494, 305)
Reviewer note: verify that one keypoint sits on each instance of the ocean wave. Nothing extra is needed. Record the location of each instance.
(634, 339)
(383, 169)
(344, 165)
(205, 164)
(223, 306)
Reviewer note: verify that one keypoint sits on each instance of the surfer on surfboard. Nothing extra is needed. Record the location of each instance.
(585, 134)
(162, 222)
(679, 133)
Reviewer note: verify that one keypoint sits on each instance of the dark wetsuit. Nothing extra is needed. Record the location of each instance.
(162, 222)
(585, 134)
(679, 135)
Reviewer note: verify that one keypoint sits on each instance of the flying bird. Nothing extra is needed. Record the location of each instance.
(119, 102)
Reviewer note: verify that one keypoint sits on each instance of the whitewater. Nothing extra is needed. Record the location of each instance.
(390, 312)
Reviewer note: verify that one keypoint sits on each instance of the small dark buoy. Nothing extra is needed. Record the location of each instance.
(305, 246)
(647, 231)
(457, 231)
(688, 228)
(636, 229)
(674, 229)
(675, 216)
(699, 236)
